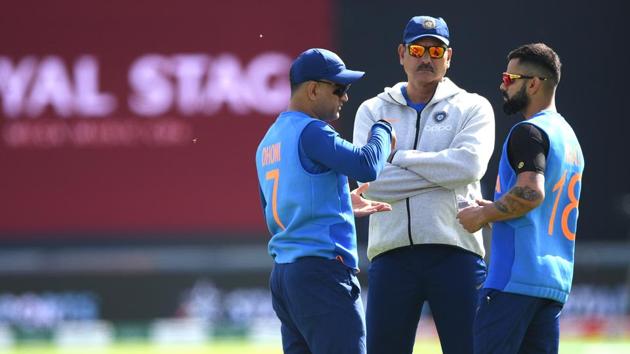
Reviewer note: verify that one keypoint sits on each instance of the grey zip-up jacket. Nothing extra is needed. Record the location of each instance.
(441, 153)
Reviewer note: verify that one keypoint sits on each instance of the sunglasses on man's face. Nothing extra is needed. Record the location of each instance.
(340, 90)
(508, 78)
(435, 51)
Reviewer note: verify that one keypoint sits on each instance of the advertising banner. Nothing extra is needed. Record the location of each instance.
(142, 117)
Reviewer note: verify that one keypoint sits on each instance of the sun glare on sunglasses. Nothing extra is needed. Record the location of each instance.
(508, 78)
(435, 52)
(340, 90)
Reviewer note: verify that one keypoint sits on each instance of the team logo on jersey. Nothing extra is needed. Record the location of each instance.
(428, 24)
(440, 116)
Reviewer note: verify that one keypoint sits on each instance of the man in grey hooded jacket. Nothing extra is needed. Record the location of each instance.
(418, 251)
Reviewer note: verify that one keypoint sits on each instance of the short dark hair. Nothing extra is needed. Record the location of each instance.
(540, 55)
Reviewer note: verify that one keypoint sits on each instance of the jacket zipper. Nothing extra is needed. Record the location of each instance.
(415, 146)
(409, 222)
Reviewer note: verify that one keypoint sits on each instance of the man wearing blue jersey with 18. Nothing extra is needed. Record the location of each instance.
(534, 214)
(303, 167)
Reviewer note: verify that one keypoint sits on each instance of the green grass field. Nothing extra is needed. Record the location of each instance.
(240, 347)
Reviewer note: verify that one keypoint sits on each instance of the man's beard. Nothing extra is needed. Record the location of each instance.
(517, 103)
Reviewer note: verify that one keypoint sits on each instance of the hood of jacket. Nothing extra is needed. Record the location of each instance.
(445, 89)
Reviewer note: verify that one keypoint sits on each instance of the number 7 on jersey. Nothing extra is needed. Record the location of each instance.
(275, 176)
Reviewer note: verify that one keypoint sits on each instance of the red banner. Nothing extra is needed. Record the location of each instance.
(121, 117)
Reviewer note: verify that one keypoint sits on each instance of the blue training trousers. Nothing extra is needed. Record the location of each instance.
(401, 280)
(509, 323)
(319, 305)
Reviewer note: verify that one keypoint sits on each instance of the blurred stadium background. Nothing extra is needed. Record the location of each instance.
(129, 212)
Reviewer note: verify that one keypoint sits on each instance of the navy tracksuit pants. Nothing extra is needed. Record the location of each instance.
(319, 305)
(400, 281)
(509, 323)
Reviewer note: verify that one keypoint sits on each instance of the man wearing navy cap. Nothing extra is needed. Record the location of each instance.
(303, 167)
(419, 252)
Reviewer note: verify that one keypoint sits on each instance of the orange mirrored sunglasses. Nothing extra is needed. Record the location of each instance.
(435, 51)
(508, 78)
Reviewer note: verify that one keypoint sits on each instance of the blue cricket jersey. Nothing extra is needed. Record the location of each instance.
(310, 214)
(533, 254)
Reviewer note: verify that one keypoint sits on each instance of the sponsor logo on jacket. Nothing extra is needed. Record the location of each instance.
(438, 128)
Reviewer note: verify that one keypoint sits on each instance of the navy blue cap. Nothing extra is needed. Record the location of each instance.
(322, 64)
(426, 26)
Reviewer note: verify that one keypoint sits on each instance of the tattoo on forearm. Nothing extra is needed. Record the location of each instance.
(501, 207)
(509, 205)
(525, 193)
(512, 202)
